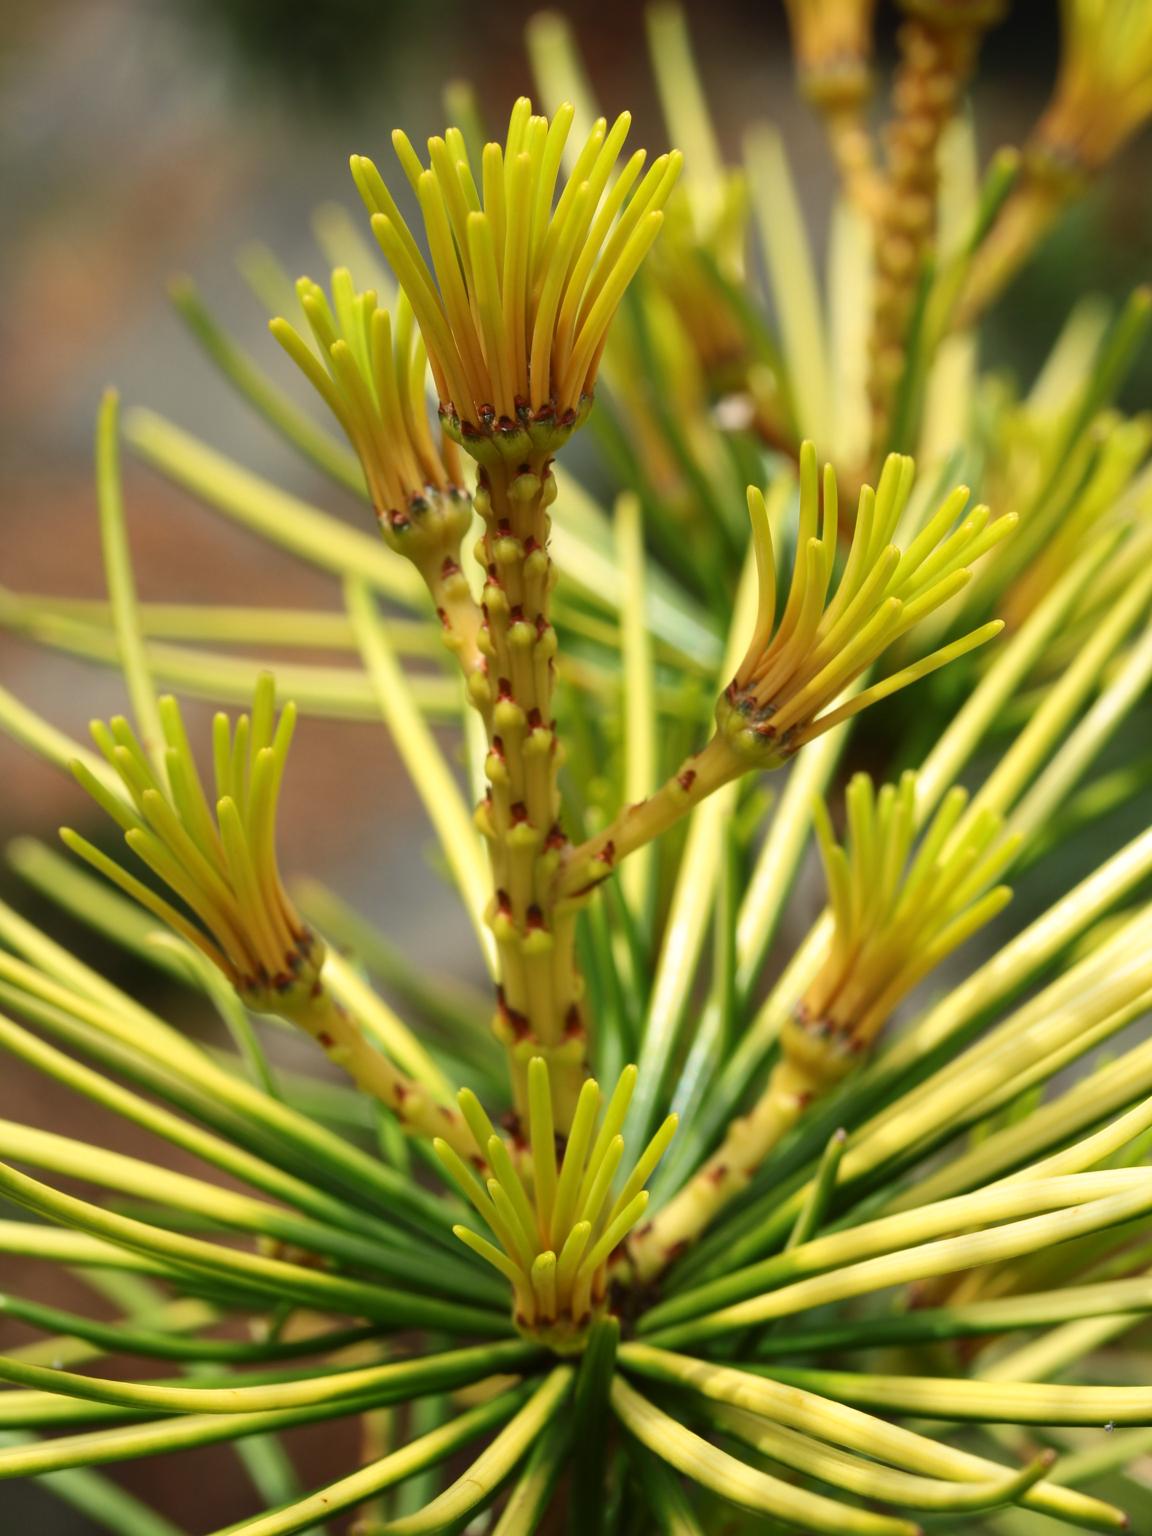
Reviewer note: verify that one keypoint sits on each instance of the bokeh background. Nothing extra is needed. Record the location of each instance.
(143, 138)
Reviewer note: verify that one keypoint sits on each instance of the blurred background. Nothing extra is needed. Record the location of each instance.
(143, 138)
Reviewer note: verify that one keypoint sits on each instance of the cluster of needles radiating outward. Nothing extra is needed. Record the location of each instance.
(898, 912)
(516, 306)
(370, 372)
(221, 863)
(557, 1225)
(795, 669)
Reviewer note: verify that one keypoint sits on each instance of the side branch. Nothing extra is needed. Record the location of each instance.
(339, 1036)
(583, 867)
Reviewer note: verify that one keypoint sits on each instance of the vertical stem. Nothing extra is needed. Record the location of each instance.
(846, 125)
(936, 60)
(540, 1011)
(459, 617)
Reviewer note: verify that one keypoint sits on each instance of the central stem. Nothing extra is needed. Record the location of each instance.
(540, 1010)
(937, 54)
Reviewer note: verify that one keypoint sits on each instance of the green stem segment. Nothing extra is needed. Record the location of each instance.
(540, 1008)
(459, 616)
(586, 865)
(726, 1173)
(938, 49)
(319, 1014)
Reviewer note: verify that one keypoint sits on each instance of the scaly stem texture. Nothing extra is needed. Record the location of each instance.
(936, 61)
(540, 1010)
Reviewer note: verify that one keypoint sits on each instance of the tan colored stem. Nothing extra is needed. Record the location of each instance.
(936, 61)
(339, 1036)
(461, 620)
(852, 149)
(540, 1010)
(585, 866)
(748, 1141)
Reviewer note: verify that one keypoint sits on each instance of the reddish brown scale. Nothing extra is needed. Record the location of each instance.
(534, 918)
(686, 779)
(718, 1174)
(445, 621)
(516, 1022)
(556, 838)
(573, 1023)
(325, 1039)
(607, 854)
